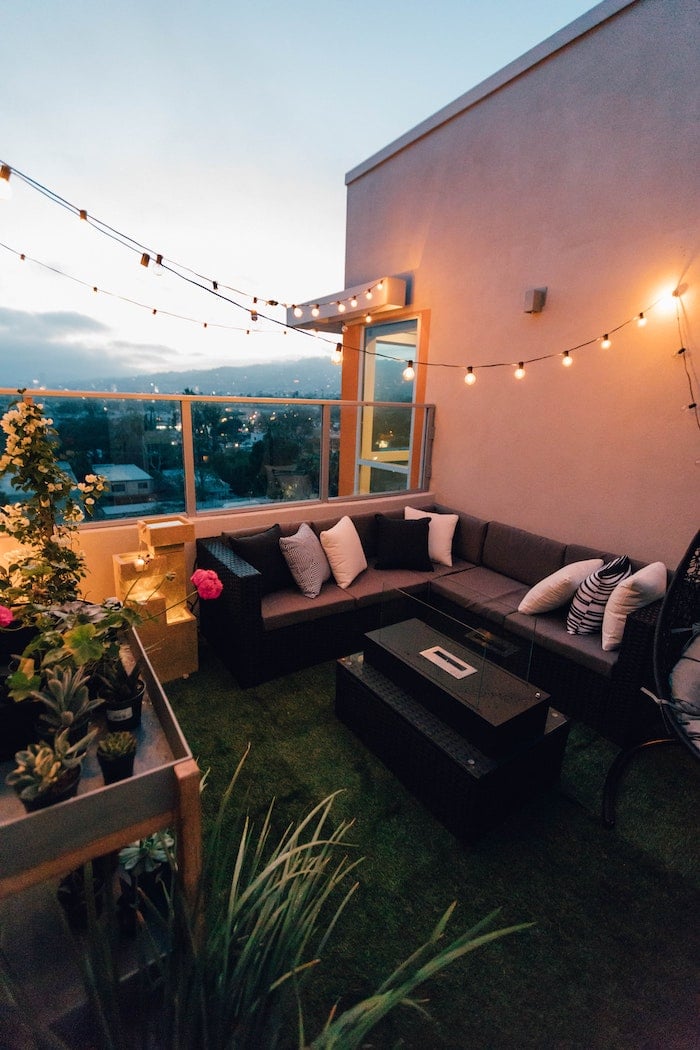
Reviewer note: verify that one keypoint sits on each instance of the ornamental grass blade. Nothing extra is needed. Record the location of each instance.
(348, 1030)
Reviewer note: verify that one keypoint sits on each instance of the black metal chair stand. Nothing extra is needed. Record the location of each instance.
(678, 623)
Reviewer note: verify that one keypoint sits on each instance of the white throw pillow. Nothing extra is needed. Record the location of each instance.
(643, 588)
(558, 588)
(440, 533)
(344, 551)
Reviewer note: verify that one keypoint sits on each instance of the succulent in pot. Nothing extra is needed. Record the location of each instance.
(115, 753)
(122, 690)
(66, 702)
(48, 773)
(146, 875)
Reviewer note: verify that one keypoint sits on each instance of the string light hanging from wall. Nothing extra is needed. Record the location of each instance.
(155, 261)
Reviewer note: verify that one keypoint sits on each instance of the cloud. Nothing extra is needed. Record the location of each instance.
(60, 348)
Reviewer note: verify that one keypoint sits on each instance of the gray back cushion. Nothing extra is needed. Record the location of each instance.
(522, 555)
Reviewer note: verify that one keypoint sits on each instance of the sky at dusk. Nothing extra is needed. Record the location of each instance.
(217, 133)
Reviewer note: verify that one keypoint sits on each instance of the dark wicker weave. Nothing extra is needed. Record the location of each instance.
(234, 628)
(465, 789)
(677, 621)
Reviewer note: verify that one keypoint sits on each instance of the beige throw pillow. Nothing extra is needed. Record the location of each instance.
(344, 551)
(638, 590)
(440, 533)
(558, 588)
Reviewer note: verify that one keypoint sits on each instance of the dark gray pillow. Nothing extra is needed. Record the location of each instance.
(403, 544)
(262, 551)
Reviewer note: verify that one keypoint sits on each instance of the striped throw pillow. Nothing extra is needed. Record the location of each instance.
(588, 604)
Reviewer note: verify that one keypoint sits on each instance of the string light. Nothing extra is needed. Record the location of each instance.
(337, 357)
(5, 187)
(147, 256)
(567, 360)
(157, 270)
(409, 372)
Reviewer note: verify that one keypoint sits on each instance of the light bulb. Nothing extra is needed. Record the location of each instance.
(139, 563)
(341, 308)
(567, 360)
(470, 378)
(641, 321)
(520, 370)
(368, 319)
(337, 356)
(157, 269)
(298, 312)
(605, 342)
(5, 187)
(315, 310)
(368, 293)
(380, 285)
(409, 372)
(353, 301)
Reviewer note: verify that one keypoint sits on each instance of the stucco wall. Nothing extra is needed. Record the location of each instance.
(580, 175)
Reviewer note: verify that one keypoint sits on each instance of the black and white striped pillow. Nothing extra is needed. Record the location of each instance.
(588, 604)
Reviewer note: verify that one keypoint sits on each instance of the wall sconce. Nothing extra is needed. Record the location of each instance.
(535, 298)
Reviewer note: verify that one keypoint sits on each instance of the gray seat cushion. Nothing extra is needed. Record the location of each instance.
(549, 632)
(482, 592)
(283, 608)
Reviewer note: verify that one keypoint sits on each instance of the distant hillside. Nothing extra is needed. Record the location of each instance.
(307, 377)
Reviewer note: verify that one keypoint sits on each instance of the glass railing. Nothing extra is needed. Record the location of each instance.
(169, 454)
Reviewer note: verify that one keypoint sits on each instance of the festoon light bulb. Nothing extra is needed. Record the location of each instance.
(409, 372)
(470, 378)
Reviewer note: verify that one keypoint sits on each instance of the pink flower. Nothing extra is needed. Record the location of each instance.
(6, 616)
(207, 583)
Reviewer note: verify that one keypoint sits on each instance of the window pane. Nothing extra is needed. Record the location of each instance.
(255, 453)
(136, 445)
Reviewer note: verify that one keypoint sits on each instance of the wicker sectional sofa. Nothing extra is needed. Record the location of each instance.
(261, 635)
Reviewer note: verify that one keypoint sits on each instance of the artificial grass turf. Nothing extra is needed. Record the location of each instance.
(612, 958)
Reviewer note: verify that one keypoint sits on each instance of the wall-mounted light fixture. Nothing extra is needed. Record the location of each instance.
(535, 299)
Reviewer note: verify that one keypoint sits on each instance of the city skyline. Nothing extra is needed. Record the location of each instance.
(219, 137)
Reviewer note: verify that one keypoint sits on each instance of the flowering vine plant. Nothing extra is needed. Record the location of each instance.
(48, 566)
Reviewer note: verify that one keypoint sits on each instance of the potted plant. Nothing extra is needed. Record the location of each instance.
(115, 753)
(122, 691)
(146, 874)
(48, 565)
(46, 774)
(66, 702)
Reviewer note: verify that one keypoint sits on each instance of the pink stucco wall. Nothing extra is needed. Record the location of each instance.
(580, 174)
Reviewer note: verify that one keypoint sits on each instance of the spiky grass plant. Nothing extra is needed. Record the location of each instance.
(226, 971)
